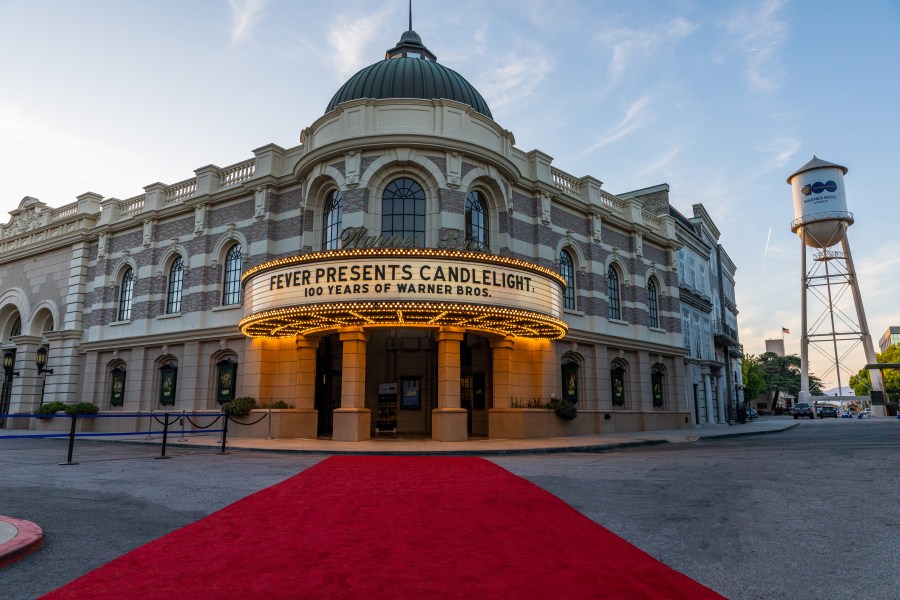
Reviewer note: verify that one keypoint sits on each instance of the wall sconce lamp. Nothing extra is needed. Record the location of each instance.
(9, 359)
(40, 360)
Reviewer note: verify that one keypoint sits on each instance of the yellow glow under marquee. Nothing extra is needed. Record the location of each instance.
(402, 287)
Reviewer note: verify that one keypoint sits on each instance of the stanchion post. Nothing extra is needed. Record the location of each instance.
(182, 427)
(71, 441)
(269, 414)
(162, 453)
(224, 432)
(150, 425)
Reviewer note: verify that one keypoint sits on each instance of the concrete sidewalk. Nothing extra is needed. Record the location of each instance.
(421, 445)
(483, 446)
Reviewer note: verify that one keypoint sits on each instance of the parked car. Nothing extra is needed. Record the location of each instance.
(828, 411)
(803, 409)
(846, 415)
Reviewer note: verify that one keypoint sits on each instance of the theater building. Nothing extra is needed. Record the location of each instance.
(405, 270)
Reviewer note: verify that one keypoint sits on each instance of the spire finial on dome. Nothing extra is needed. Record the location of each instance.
(410, 45)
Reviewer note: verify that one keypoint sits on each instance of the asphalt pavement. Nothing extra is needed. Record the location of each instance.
(726, 508)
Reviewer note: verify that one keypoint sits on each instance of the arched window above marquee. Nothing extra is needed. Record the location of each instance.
(613, 293)
(231, 288)
(126, 293)
(477, 221)
(652, 303)
(403, 210)
(176, 286)
(332, 218)
(567, 270)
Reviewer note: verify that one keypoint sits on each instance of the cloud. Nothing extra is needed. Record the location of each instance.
(517, 77)
(662, 162)
(634, 119)
(245, 14)
(634, 45)
(759, 33)
(350, 38)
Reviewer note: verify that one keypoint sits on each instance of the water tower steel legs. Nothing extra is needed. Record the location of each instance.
(868, 345)
(863, 331)
(804, 334)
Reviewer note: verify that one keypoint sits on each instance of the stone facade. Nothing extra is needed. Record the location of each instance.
(63, 272)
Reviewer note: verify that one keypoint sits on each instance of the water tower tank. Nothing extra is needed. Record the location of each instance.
(820, 204)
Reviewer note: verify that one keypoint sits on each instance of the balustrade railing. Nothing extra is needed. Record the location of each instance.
(181, 191)
(132, 206)
(612, 204)
(237, 174)
(64, 212)
(565, 182)
(651, 220)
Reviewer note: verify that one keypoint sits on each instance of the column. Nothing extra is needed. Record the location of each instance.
(721, 392)
(307, 416)
(353, 421)
(501, 419)
(707, 398)
(449, 422)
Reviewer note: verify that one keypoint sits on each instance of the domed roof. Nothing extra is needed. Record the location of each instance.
(410, 70)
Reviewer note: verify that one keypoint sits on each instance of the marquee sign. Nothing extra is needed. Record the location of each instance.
(393, 287)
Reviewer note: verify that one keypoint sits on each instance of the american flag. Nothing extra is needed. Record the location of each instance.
(785, 330)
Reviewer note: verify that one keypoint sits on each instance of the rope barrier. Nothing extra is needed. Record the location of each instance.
(98, 416)
(152, 417)
(253, 423)
(94, 434)
(216, 420)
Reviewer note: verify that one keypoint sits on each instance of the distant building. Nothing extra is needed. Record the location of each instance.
(776, 346)
(891, 336)
(708, 319)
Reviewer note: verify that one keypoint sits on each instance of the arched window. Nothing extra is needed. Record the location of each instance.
(126, 291)
(231, 290)
(476, 221)
(176, 283)
(16, 327)
(617, 384)
(403, 210)
(570, 381)
(331, 221)
(658, 387)
(612, 282)
(567, 270)
(651, 304)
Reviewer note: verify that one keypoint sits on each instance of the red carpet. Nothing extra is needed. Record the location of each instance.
(391, 527)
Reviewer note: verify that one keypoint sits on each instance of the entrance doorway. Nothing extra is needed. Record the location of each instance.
(6, 392)
(328, 383)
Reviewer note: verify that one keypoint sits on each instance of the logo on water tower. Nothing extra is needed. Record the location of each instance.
(819, 187)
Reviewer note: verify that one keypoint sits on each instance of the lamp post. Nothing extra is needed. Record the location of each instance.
(9, 359)
(40, 360)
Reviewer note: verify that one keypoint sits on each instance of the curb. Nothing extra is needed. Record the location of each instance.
(30, 538)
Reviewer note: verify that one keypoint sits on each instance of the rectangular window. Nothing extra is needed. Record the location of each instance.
(686, 326)
(682, 275)
(703, 279)
(707, 339)
(692, 276)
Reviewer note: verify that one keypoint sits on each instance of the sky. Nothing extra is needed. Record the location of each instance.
(722, 100)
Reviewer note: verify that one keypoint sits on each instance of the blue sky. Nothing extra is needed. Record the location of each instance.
(722, 100)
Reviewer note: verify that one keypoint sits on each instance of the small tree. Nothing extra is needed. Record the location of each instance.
(862, 381)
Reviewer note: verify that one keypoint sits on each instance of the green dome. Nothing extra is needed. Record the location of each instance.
(410, 78)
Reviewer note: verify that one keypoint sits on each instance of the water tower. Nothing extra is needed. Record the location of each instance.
(821, 221)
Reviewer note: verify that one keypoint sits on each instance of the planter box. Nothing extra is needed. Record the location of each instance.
(285, 423)
(521, 423)
(62, 423)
